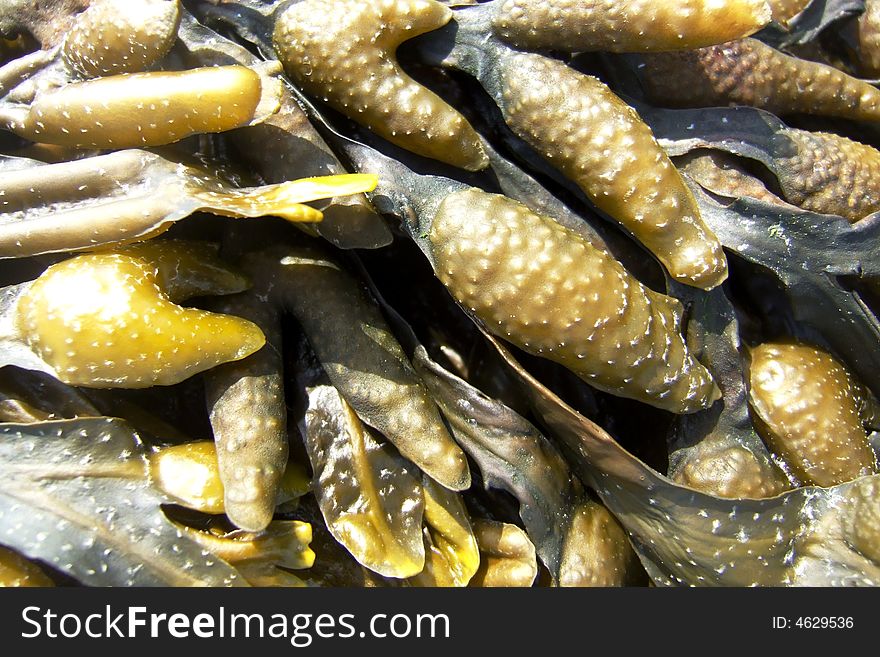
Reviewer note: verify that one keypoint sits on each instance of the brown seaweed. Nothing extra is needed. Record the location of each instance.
(608, 328)
(725, 515)
(452, 556)
(718, 450)
(328, 57)
(440, 217)
(868, 32)
(370, 497)
(512, 455)
(249, 418)
(133, 195)
(575, 537)
(286, 146)
(749, 72)
(507, 557)
(829, 250)
(625, 25)
(829, 174)
(724, 175)
(360, 355)
(686, 537)
(75, 494)
(595, 139)
(810, 411)
(107, 39)
(597, 551)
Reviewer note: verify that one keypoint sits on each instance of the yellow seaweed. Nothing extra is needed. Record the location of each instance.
(452, 555)
(284, 543)
(507, 556)
(189, 473)
(16, 571)
(133, 110)
(83, 316)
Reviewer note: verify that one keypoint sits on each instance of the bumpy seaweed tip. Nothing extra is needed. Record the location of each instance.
(829, 174)
(113, 37)
(547, 290)
(724, 174)
(507, 556)
(189, 474)
(627, 25)
(732, 471)
(749, 72)
(865, 531)
(343, 51)
(102, 321)
(868, 33)
(596, 551)
(133, 110)
(601, 143)
(808, 409)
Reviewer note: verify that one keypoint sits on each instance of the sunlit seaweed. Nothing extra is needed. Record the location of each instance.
(189, 474)
(608, 328)
(109, 38)
(132, 195)
(811, 412)
(309, 38)
(82, 316)
(600, 142)
(384, 369)
(626, 25)
(132, 110)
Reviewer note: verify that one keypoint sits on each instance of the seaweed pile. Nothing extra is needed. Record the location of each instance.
(421, 293)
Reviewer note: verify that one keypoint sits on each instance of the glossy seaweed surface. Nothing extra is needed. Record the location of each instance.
(421, 293)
